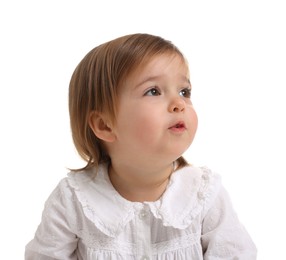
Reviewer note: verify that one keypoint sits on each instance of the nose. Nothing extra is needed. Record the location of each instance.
(177, 105)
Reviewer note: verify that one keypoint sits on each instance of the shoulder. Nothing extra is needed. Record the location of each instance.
(190, 192)
(68, 184)
(98, 200)
(195, 172)
(89, 184)
(197, 182)
(65, 194)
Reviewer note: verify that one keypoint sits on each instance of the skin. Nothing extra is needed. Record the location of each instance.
(155, 125)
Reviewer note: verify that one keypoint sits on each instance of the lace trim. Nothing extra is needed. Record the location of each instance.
(82, 183)
(191, 241)
(189, 192)
(101, 243)
(200, 187)
(207, 192)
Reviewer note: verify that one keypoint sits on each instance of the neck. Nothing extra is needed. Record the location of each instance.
(135, 184)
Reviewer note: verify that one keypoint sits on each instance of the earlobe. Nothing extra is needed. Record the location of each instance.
(101, 127)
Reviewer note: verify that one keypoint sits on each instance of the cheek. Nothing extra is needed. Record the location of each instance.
(141, 126)
(193, 117)
(194, 120)
(145, 125)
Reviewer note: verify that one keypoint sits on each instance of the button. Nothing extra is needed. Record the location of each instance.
(201, 195)
(205, 177)
(145, 257)
(143, 214)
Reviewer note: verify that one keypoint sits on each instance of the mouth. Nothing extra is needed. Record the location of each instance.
(178, 127)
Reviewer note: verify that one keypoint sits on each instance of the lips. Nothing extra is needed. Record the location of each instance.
(178, 127)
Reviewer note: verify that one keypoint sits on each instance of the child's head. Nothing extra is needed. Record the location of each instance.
(96, 82)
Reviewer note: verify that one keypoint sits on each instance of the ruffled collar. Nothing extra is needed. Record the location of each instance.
(190, 191)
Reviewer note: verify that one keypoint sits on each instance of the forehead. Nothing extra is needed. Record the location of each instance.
(159, 65)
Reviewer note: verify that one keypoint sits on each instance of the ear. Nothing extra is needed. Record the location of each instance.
(101, 127)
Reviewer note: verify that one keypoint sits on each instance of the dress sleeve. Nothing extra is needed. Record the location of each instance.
(223, 236)
(55, 237)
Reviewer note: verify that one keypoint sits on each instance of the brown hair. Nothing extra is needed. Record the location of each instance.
(95, 82)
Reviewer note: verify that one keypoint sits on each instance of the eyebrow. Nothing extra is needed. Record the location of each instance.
(183, 78)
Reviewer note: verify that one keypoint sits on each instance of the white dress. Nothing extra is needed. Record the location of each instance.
(86, 218)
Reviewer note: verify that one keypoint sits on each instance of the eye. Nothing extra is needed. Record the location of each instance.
(153, 92)
(186, 92)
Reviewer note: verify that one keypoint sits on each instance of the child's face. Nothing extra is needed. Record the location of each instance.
(156, 121)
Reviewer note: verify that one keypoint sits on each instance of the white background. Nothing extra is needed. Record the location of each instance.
(236, 51)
